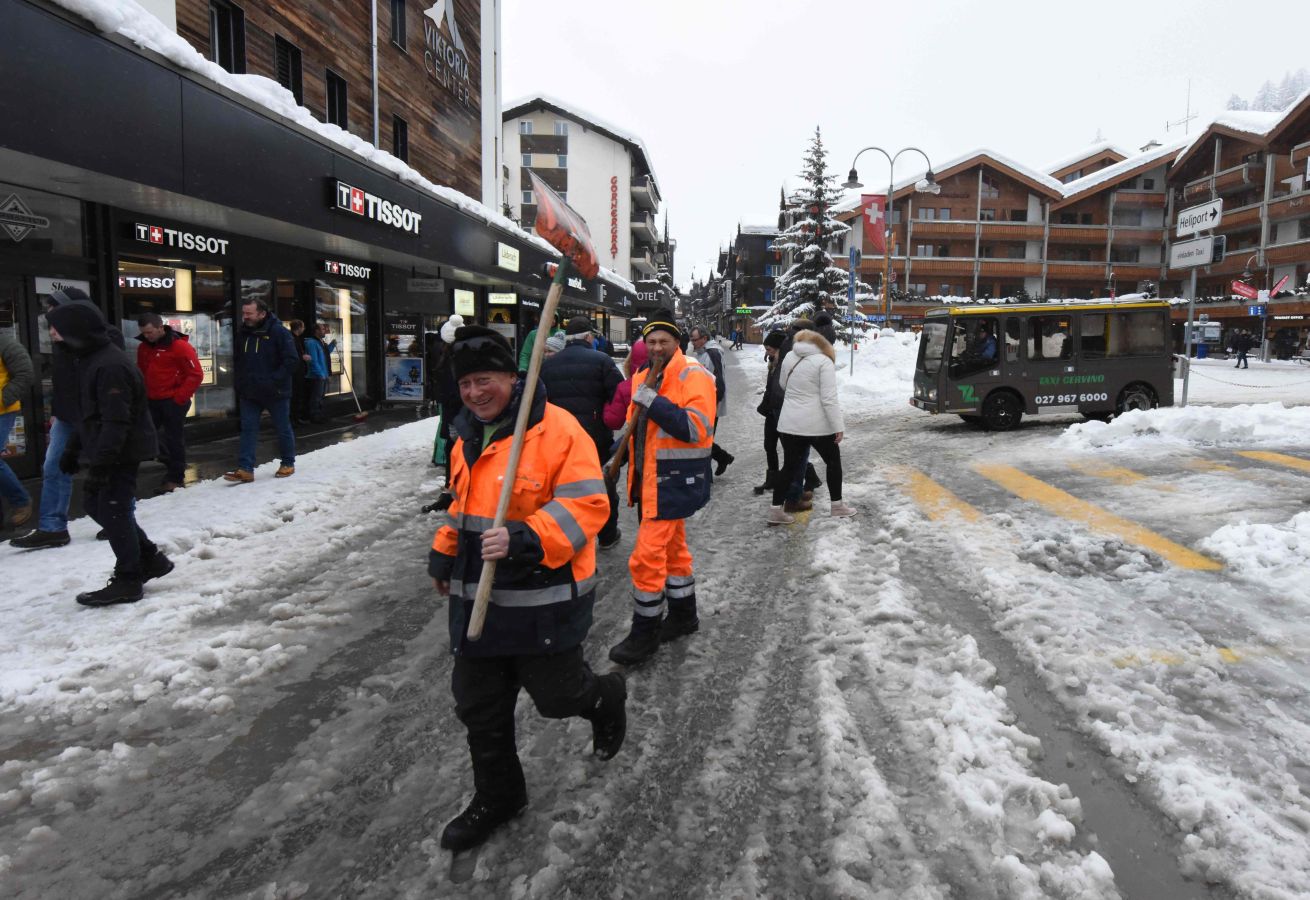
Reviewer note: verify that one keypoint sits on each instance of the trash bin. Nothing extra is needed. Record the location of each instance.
(1202, 351)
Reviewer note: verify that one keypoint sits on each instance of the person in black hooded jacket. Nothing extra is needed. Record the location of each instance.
(114, 436)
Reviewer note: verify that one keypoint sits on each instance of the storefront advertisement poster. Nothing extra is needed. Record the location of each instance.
(402, 331)
(404, 379)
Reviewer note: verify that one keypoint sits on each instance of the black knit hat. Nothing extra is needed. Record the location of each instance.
(775, 339)
(479, 349)
(579, 325)
(662, 320)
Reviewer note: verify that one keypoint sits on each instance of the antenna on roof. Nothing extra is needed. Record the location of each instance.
(1186, 118)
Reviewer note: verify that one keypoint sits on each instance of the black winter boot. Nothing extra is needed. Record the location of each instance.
(157, 565)
(39, 540)
(609, 722)
(681, 619)
(770, 477)
(120, 589)
(641, 643)
(479, 819)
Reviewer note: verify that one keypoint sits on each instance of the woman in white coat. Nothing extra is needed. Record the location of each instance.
(811, 417)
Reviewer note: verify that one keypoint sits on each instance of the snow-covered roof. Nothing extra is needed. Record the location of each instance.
(133, 22)
(759, 229)
(1094, 149)
(516, 107)
(1159, 154)
(1256, 123)
(1031, 174)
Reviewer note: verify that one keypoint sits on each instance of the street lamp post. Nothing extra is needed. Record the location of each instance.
(928, 185)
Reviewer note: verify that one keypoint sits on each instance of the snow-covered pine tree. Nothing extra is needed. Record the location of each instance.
(1236, 102)
(1266, 99)
(812, 283)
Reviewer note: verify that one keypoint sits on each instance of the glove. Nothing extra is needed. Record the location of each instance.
(68, 463)
(645, 395)
(96, 478)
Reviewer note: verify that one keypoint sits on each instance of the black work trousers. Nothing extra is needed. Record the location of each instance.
(486, 690)
(794, 453)
(771, 441)
(169, 419)
(111, 503)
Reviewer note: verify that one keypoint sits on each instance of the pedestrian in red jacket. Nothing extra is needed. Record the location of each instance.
(172, 374)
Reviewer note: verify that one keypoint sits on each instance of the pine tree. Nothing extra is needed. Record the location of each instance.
(813, 283)
(1236, 102)
(1266, 99)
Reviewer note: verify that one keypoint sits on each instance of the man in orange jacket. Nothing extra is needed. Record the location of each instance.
(545, 584)
(668, 480)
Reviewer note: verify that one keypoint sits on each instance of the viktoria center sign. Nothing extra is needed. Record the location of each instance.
(444, 57)
(360, 202)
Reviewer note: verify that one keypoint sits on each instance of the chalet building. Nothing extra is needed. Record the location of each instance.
(752, 267)
(153, 169)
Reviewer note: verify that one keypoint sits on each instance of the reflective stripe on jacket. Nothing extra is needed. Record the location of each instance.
(674, 453)
(542, 596)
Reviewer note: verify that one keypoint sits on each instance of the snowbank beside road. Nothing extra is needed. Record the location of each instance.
(1262, 425)
(1273, 555)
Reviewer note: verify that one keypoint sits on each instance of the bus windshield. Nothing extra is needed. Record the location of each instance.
(932, 346)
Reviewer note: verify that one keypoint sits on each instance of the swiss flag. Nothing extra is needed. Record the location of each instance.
(156, 234)
(357, 201)
(872, 212)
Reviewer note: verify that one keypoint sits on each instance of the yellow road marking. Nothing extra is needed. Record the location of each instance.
(1278, 459)
(1231, 656)
(1070, 507)
(1117, 474)
(936, 501)
(1209, 465)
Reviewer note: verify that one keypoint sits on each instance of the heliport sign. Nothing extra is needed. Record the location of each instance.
(366, 205)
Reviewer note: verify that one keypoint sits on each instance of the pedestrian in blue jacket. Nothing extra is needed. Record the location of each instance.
(266, 361)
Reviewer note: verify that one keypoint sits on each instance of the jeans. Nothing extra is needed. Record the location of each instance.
(1241, 360)
(279, 410)
(112, 505)
(56, 487)
(316, 388)
(11, 489)
(169, 418)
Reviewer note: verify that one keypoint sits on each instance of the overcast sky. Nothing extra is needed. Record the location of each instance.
(726, 93)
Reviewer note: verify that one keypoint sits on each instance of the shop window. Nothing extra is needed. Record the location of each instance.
(336, 99)
(342, 307)
(1050, 337)
(193, 301)
(400, 139)
(287, 64)
(398, 23)
(227, 35)
(1119, 334)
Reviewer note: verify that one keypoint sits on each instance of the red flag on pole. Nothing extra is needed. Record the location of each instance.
(872, 212)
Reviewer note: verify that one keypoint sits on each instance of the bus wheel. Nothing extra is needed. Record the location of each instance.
(1136, 396)
(1002, 411)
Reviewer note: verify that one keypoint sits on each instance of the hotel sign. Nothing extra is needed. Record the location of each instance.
(359, 202)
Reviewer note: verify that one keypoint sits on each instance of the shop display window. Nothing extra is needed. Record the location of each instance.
(193, 300)
(341, 307)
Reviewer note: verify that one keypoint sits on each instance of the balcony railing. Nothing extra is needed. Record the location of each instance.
(1078, 269)
(1013, 231)
(643, 260)
(1282, 254)
(1300, 153)
(1225, 181)
(1010, 268)
(927, 228)
(1138, 234)
(1149, 199)
(643, 225)
(643, 192)
(1078, 234)
(1293, 206)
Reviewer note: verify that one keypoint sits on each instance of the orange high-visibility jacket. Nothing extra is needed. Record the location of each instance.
(541, 599)
(673, 455)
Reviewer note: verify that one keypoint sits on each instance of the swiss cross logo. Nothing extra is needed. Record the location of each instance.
(333, 268)
(357, 201)
(156, 234)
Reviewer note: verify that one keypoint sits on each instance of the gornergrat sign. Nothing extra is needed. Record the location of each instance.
(359, 202)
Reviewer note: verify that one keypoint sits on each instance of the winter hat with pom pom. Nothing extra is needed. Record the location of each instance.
(453, 324)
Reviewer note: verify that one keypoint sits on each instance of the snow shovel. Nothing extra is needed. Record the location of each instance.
(566, 231)
(635, 424)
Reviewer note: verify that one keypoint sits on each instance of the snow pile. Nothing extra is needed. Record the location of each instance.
(1274, 556)
(129, 19)
(883, 377)
(1250, 425)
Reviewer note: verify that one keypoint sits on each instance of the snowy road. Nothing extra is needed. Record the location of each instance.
(1084, 680)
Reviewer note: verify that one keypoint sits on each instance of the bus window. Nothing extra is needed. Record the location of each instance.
(1118, 334)
(1013, 327)
(974, 348)
(932, 345)
(1050, 337)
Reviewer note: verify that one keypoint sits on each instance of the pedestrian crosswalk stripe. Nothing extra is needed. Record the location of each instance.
(1068, 506)
(1209, 465)
(1117, 474)
(1278, 459)
(936, 501)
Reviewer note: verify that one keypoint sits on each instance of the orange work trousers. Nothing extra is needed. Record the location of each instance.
(661, 557)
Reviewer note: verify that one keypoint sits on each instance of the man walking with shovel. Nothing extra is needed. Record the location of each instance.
(544, 583)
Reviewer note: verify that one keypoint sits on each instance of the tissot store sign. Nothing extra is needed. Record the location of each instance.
(345, 269)
(177, 239)
(359, 202)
